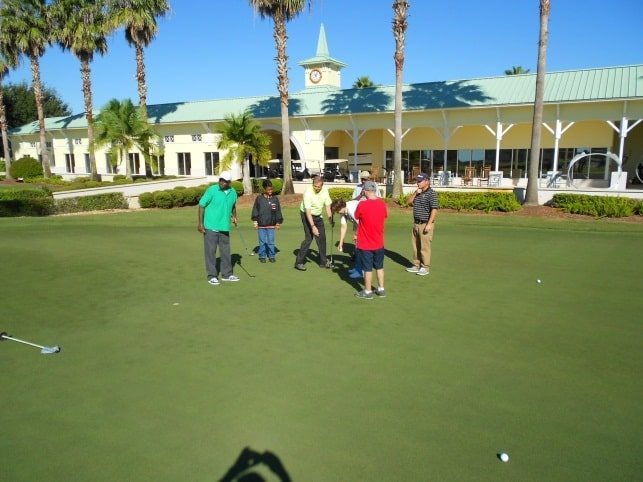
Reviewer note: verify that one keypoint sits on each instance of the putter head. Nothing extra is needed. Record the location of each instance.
(48, 350)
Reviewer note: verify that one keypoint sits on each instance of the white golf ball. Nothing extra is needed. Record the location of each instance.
(504, 457)
(538, 281)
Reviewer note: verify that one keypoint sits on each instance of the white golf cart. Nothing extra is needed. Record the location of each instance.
(336, 170)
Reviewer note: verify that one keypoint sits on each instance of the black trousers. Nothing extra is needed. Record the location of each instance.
(308, 239)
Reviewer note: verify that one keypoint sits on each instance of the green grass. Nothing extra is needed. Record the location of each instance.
(427, 384)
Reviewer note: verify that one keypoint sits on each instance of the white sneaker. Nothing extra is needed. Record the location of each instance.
(213, 281)
(413, 269)
(422, 271)
(230, 278)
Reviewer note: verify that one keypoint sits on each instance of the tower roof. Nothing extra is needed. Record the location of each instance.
(322, 56)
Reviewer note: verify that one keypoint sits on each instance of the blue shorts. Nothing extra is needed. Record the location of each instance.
(371, 260)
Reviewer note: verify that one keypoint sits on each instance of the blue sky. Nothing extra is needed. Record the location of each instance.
(209, 49)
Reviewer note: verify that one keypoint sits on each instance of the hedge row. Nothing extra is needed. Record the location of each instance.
(472, 201)
(597, 206)
(25, 202)
(39, 202)
(172, 198)
(98, 202)
(189, 196)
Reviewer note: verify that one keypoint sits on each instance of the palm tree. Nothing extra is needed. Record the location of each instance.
(139, 18)
(363, 82)
(516, 70)
(25, 29)
(8, 61)
(122, 127)
(80, 26)
(531, 195)
(281, 12)
(400, 23)
(241, 135)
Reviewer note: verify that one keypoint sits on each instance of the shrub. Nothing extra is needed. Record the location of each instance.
(178, 197)
(238, 186)
(638, 208)
(98, 202)
(26, 168)
(3, 165)
(597, 206)
(163, 199)
(146, 200)
(482, 201)
(277, 186)
(341, 193)
(25, 202)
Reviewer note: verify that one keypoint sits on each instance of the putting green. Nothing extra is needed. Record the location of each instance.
(164, 377)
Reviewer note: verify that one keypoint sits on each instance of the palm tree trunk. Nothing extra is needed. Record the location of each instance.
(397, 142)
(140, 79)
(85, 73)
(5, 137)
(37, 90)
(531, 196)
(125, 157)
(142, 98)
(281, 39)
(247, 184)
(400, 23)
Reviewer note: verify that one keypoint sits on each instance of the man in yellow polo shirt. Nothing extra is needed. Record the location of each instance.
(316, 198)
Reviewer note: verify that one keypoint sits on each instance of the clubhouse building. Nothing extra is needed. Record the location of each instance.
(461, 130)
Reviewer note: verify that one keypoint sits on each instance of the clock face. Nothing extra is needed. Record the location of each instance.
(315, 76)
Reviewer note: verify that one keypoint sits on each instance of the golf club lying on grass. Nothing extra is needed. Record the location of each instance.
(45, 350)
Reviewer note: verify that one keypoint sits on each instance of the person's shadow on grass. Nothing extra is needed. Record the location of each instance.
(235, 259)
(240, 471)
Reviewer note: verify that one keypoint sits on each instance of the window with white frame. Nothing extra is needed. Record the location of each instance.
(109, 167)
(211, 163)
(168, 138)
(70, 163)
(159, 169)
(196, 138)
(78, 141)
(88, 163)
(134, 162)
(185, 163)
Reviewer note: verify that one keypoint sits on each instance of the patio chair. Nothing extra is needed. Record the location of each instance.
(469, 174)
(484, 175)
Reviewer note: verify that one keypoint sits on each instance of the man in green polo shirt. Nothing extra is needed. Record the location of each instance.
(217, 210)
(316, 198)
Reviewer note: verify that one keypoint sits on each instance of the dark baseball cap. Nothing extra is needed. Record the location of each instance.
(422, 177)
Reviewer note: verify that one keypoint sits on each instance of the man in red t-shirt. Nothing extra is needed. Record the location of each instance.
(371, 214)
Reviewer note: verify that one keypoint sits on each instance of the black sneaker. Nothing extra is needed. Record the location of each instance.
(327, 265)
(300, 267)
(262, 260)
(272, 260)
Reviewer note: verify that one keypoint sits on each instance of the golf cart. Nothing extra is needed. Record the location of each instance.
(275, 168)
(336, 170)
(299, 173)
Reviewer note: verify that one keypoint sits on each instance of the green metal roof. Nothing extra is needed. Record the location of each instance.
(611, 83)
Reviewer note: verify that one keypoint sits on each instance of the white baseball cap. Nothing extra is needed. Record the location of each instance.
(365, 175)
(226, 176)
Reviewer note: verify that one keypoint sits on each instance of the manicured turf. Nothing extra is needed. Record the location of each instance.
(163, 377)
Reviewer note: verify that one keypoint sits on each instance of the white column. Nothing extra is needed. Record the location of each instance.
(558, 132)
(498, 133)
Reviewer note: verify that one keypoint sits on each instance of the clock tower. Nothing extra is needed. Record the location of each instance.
(322, 70)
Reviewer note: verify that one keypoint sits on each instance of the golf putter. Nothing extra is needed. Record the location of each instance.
(45, 350)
